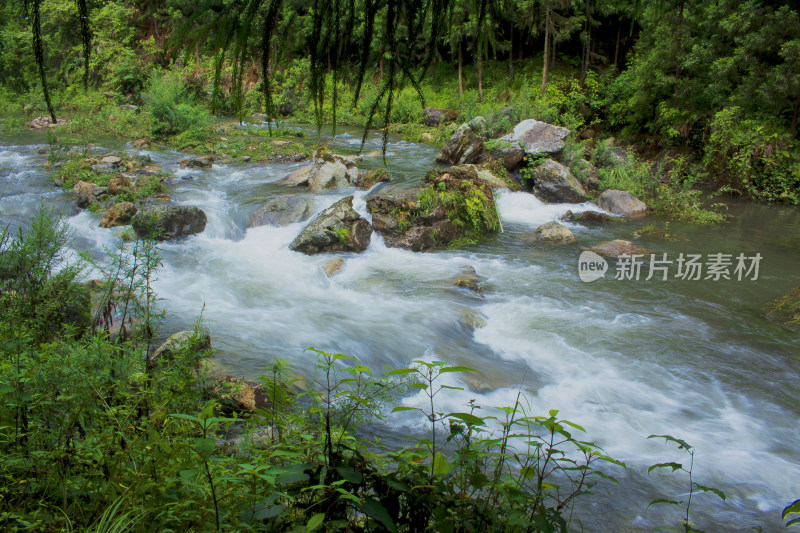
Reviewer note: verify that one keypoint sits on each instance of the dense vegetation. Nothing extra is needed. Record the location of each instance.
(719, 83)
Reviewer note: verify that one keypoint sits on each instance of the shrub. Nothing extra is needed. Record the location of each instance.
(171, 109)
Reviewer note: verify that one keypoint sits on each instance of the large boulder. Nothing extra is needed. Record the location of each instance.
(119, 183)
(587, 174)
(326, 171)
(119, 215)
(164, 222)
(491, 176)
(337, 229)
(617, 248)
(553, 233)
(553, 182)
(433, 116)
(454, 205)
(281, 211)
(529, 137)
(621, 203)
(466, 145)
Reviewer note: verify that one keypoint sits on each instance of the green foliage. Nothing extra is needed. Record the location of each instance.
(686, 524)
(753, 158)
(787, 307)
(172, 110)
(343, 234)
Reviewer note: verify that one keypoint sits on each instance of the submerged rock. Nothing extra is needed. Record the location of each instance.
(337, 229)
(164, 222)
(465, 146)
(40, 123)
(621, 203)
(281, 211)
(468, 279)
(618, 247)
(333, 266)
(119, 215)
(553, 233)
(553, 182)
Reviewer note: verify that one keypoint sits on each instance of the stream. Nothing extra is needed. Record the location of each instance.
(622, 358)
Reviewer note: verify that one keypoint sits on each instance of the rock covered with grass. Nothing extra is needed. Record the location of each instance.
(466, 145)
(453, 208)
(339, 228)
(529, 137)
(166, 222)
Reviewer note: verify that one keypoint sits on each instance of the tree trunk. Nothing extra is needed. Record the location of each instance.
(616, 48)
(380, 63)
(511, 53)
(678, 59)
(546, 55)
(480, 73)
(794, 117)
(587, 38)
(460, 76)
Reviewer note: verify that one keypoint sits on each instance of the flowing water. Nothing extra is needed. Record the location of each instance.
(625, 359)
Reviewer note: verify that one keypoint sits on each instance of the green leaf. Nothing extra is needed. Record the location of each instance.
(793, 507)
(670, 438)
(469, 418)
(440, 464)
(339, 356)
(793, 522)
(315, 521)
(405, 408)
(422, 386)
(711, 489)
(453, 388)
(376, 511)
(350, 474)
(205, 447)
(401, 371)
(671, 502)
(456, 369)
(673, 466)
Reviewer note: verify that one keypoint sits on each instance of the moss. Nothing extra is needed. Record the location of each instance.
(787, 308)
(343, 234)
(467, 201)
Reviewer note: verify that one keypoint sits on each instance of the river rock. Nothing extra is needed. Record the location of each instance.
(141, 144)
(485, 172)
(553, 233)
(113, 160)
(165, 221)
(587, 173)
(119, 214)
(618, 247)
(529, 137)
(326, 171)
(40, 123)
(468, 279)
(433, 116)
(621, 203)
(198, 344)
(201, 161)
(333, 266)
(610, 155)
(369, 179)
(281, 211)
(85, 192)
(553, 182)
(260, 117)
(586, 217)
(337, 229)
(465, 146)
(129, 107)
(119, 183)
